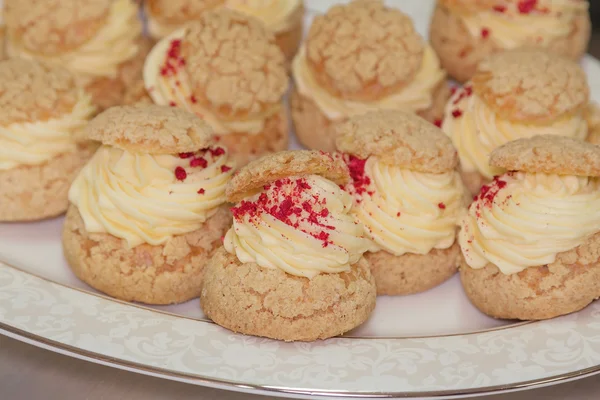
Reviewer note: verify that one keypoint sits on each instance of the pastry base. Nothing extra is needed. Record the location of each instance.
(31, 193)
(459, 52)
(166, 274)
(412, 273)
(248, 299)
(563, 287)
(315, 131)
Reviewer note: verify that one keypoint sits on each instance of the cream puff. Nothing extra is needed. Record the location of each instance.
(531, 239)
(284, 18)
(226, 68)
(408, 196)
(362, 57)
(463, 33)
(291, 267)
(42, 113)
(513, 95)
(98, 40)
(148, 210)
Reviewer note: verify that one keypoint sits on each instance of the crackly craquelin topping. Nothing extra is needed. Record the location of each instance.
(233, 62)
(30, 92)
(180, 11)
(53, 26)
(530, 84)
(363, 50)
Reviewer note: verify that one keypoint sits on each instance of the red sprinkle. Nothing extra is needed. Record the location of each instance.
(217, 151)
(526, 6)
(488, 192)
(225, 168)
(485, 33)
(198, 162)
(173, 60)
(442, 206)
(457, 113)
(438, 122)
(172, 104)
(397, 215)
(201, 191)
(180, 174)
(186, 155)
(500, 9)
(193, 99)
(357, 173)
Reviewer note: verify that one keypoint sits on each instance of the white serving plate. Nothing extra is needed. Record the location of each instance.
(431, 345)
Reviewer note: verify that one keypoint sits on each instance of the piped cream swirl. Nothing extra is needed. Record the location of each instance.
(302, 226)
(407, 211)
(168, 84)
(33, 143)
(511, 28)
(524, 220)
(143, 198)
(476, 130)
(416, 96)
(114, 44)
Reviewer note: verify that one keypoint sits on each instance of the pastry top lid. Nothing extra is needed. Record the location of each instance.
(180, 11)
(31, 91)
(531, 85)
(52, 27)
(521, 7)
(234, 64)
(549, 154)
(150, 129)
(363, 50)
(254, 176)
(398, 138)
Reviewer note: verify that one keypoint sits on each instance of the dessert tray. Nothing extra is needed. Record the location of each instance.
(430, 345)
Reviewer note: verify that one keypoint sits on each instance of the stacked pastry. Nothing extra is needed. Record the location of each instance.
(362, 57)
(284, 18)
(409, 196)
(42, 112)
(148, 211)
(463, 33)
(100, 41)
(515, 94)
(227, 69)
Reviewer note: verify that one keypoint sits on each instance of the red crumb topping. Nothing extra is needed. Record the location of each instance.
(180, 174)
(198, 162)
(225, 168)
(466, 92)
(360, 180)
(485, 33)
(500, 9)
(442, 206)
(488, 192)
(291, 202)
(217, 151)
(173, 60)
(526, 6)
(193, 99)
(457, 113)
(172, 104)
(201, 191)
(438, 122)
(186, 155)
(398, 214)
(453, 90)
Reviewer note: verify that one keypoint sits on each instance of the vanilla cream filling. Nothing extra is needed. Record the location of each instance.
(34, 143)
(140, 198)
(476, 131)
(511, 29)
(328, 242)
(407, 211)
(101, 56)
(416, 96)
(524, 220)
(172, 88)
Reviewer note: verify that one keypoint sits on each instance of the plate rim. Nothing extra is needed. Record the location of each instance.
(252, 388)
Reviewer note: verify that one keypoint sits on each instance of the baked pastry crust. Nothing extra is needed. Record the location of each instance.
(257, 301)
